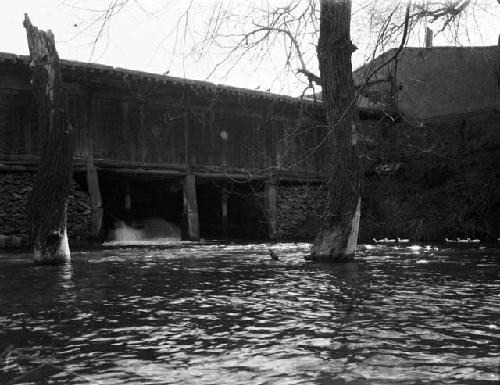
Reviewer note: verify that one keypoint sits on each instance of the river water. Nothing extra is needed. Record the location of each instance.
(229, 314)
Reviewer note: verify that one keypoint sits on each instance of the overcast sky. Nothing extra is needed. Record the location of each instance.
(148, 39)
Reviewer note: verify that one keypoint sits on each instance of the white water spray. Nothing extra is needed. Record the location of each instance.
(148, 231)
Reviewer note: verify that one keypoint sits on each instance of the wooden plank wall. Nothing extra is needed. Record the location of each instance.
(164, 134)
(76, 106)
(18, 125)
(181, 135)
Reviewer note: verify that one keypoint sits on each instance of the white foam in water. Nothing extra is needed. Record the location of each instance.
(152, 231)
(123, 233)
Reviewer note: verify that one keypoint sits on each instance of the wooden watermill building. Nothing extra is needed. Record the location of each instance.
(192, 152)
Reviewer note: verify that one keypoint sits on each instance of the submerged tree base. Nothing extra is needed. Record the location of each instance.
(51, 262)
(337, 244)
(330, 246)
(53, 251)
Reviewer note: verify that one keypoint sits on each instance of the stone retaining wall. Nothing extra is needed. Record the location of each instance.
(299, 210)
(14, 190)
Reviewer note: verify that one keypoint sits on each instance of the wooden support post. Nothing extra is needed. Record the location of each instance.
(92, 177)
(271, 209)
(191, 208)
(225, 228)
(271, 144)
(187, 152)
(95, 198)
(128, 195)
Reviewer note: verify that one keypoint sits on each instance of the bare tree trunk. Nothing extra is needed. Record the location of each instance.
(337, 240)
(47, 203)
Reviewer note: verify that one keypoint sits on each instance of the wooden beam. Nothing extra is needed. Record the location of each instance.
(224, 199)
(22, 162)
(124, 164)
(128, 195)
(154, 173)
(95, 199)
(97, 210)
(187, 154)
(271, 208)
(191, 208)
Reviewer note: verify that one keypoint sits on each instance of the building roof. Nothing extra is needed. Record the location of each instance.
(6, 57)
(432, 50)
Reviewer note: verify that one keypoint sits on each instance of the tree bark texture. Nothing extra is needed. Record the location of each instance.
(47, 203)
(337, 239)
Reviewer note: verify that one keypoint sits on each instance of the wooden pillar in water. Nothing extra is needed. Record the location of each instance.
(271, 209)
(225, 227)
(92, 177)
(128, 195)
(191, 208)
(95, 198)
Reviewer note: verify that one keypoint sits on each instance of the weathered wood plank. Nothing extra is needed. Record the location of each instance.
(191, 208)
(271, 209)
(95, 199)
(97, 210)
(224, 200)
(128, 195)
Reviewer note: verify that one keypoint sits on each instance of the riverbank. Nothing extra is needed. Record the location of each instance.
(423, 180)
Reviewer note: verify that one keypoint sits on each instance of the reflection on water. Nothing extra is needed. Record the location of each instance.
(228, 314)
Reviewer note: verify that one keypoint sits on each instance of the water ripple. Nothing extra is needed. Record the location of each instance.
(226, 314)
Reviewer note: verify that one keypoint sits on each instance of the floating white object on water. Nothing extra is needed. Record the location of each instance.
(403, 240)
(462, 240)
(384, 240)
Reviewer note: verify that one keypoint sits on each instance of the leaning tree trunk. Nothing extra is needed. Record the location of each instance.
(47, 203)
(337, 239)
